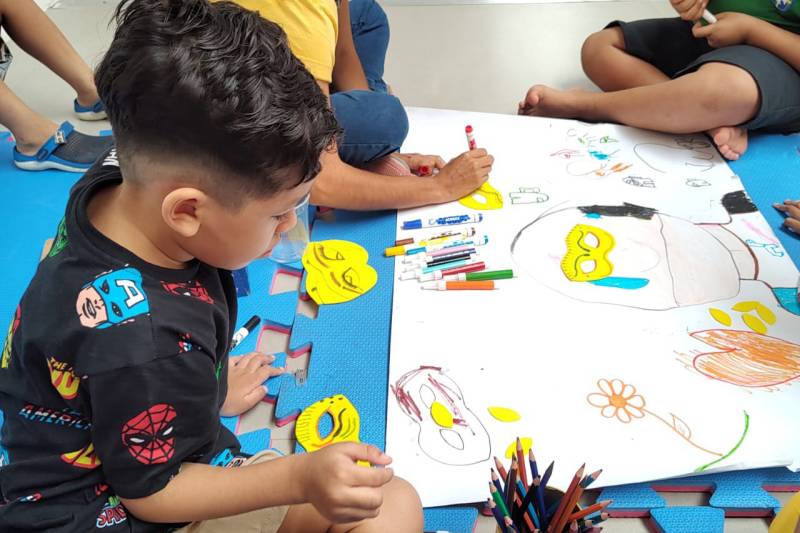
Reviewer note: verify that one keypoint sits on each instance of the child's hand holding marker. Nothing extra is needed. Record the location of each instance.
(337, 487)
(691, 10)
(727, 30)
(790, 208)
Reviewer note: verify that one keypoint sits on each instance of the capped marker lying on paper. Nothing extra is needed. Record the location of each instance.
(435, 251)
(419, 272)
(442, 221)
(471, 275)
(444, 261)
(446, 236)
(450, 272)
(459, 285)
(242, 333)
(412, 251)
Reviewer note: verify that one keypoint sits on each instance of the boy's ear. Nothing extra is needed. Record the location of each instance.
(182, 210)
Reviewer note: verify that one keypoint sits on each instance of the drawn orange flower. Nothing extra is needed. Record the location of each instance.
(619, 399)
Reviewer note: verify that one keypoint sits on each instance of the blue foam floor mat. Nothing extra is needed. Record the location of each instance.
(344, 359)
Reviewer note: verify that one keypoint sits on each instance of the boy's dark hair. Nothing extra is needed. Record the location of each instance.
(216, 84)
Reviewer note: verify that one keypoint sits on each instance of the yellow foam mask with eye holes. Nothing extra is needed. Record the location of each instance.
(337, 271)
(587, 253)
(482, 198)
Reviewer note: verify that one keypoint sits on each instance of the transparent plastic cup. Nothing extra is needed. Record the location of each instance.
(294, 242)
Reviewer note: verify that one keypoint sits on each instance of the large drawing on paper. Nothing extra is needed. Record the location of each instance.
(651, 328)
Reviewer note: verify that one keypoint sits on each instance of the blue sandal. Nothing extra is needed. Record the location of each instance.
(96, 111)
(68, 150)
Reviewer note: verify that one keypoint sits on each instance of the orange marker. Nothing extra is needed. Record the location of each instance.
(470, 139)
(459, 285)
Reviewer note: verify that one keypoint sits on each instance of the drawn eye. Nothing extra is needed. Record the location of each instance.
(351, 277)
(427, 395)
(104, 287)
(116, 310)
(452, 438)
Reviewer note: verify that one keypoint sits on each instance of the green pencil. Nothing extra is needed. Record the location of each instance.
(498, 499)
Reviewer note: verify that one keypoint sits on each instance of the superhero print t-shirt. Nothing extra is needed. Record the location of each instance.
(112, 375)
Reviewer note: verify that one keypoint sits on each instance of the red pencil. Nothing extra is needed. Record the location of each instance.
(511, 484)
(563, 511)
(523, 475)
(590, 510)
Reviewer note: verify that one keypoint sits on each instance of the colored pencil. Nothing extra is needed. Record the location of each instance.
(511, 484)
(498, 515)
(590, 509)
(578, 492)
(563, 511)
(523, 475)
(510, 525)
(498, 499)
(496, 481)
(547, 474)
(527, 509)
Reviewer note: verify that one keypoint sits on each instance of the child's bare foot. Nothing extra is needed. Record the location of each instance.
(544, 101)
(730, 140)
(246, 377)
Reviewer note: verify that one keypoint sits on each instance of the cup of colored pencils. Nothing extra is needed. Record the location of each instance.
(523, 504)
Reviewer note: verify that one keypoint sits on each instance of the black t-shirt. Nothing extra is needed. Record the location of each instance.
(112, 375)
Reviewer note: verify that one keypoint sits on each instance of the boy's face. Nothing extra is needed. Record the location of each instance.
(232, 238)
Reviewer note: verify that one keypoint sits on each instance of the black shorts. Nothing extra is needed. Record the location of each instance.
(668, 44)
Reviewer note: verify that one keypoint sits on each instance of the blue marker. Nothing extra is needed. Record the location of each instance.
(442, 221)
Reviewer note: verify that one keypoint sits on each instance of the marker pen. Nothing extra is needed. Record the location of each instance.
(417, 273)
(242, 333)
(442, 221)
(453, 273)
(447, 235)
(459, 285)
(470, 138)
(435, 251)
(709, 17)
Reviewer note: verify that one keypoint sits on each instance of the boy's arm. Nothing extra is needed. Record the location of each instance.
(778, 41)
(342, 186)
(329, 479)
(348, 75)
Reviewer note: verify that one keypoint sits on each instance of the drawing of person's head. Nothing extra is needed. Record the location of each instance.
(449, 432)
(626, 255)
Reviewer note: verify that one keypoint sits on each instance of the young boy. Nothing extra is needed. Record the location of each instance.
(343, 44)
(115, 370)
(679, 76)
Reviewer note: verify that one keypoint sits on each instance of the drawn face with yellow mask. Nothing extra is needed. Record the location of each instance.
(626, 255)
(337, 271)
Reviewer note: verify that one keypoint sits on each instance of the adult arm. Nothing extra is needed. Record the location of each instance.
(348, 74)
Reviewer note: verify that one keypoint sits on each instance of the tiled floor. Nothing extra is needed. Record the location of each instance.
(482, 56)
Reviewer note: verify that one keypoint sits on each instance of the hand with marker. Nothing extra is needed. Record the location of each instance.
(790, 208)
(464, 174)
(338, 488)
(246, 377)
(689, 9)
(728, 30)
(423, 165)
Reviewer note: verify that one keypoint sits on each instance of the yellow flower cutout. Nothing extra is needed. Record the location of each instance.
(617, 399)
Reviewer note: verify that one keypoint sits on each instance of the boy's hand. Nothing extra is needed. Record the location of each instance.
(729, 29)
(423, 165)
(339, 489)
(790, 208)
(464, 174)
(246, 377)
(689, 9)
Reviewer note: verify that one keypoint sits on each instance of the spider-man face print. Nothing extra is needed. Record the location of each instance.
(149, 435)
(192, 289)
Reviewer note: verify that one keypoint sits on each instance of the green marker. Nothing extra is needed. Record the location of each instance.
(487, 275)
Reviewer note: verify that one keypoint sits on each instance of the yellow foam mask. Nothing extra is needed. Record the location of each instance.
(337, 271)
(346, 424)
(485, 197)
(587, 253)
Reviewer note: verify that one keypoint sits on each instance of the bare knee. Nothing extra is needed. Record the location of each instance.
(402, 508)
(731, 90)
(594, 55)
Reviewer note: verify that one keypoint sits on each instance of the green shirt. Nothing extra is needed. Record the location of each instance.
(782, 13)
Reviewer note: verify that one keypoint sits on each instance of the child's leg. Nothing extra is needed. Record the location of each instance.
(715, 95)
(401, 512)
(35, 33)
(370, 29)
(611, 68)
(30, 129)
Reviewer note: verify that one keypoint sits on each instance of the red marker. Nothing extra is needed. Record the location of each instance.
(470, 139)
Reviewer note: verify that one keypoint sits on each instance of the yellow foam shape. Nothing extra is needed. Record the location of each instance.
(337, 271)
(483, 198)
(504, 414)
(346, 424)
(721, 316)
(527, 442)
(441, 415)
(587, 243)
(755, 324)
(766, 314)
